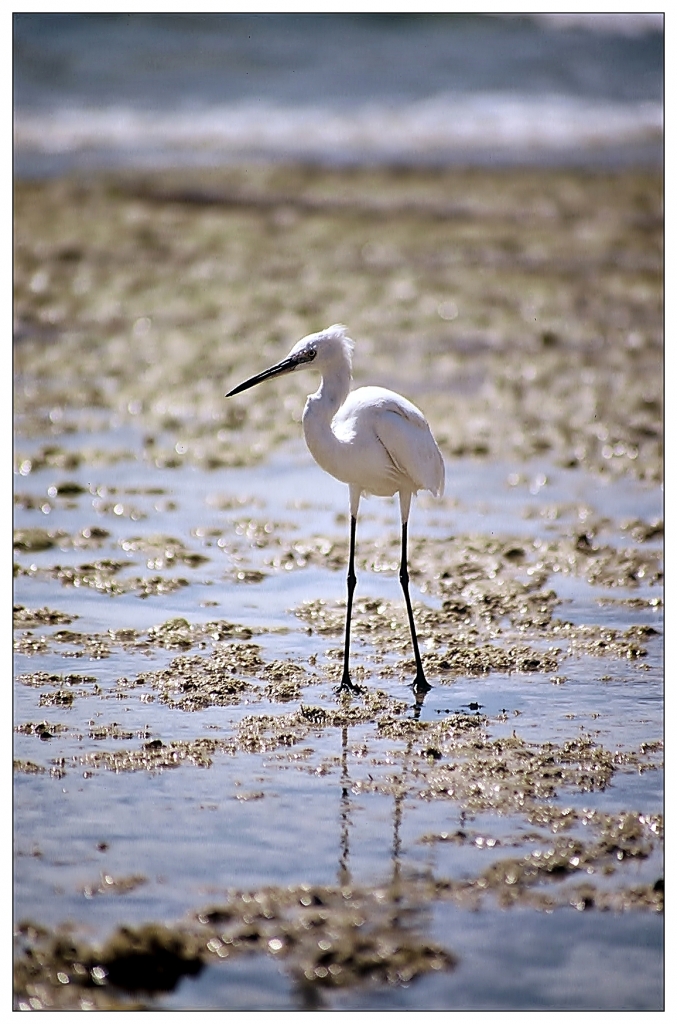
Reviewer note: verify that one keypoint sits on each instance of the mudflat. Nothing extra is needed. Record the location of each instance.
(188, 787)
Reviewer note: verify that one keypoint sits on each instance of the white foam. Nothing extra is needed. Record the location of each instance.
(442, 124)
(628, 24)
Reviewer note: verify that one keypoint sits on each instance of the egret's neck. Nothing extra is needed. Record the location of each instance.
(319, 412)
(331, 394)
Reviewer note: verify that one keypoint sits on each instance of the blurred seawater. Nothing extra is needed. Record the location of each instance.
(107, 91)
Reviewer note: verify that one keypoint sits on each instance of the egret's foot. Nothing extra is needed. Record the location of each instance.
(421, 684)
(346, 686)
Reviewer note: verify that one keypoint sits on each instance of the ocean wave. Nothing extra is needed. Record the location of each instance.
(443, 124)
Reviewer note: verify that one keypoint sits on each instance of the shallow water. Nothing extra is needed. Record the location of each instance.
(100, 845)
(553, 964)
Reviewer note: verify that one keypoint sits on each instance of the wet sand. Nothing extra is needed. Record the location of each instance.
(179, 575)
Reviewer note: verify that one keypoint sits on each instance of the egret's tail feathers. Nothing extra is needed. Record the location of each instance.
(437, 490)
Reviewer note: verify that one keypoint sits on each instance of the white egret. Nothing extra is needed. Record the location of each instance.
(372, 439)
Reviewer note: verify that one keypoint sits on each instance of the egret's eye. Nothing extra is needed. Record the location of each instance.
(309, 355)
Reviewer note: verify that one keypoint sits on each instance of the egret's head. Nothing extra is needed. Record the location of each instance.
(327, 347)
(330, 348)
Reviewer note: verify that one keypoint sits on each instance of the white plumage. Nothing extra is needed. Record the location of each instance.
(373, 439)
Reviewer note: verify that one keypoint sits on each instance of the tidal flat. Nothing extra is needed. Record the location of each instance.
(200, 822)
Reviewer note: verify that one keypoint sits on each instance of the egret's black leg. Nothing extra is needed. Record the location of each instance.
(352, 581)
(421, 684)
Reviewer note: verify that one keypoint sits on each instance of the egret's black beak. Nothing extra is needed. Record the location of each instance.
(286, 366)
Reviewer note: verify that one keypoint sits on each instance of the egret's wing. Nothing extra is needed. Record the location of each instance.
(404, 432)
